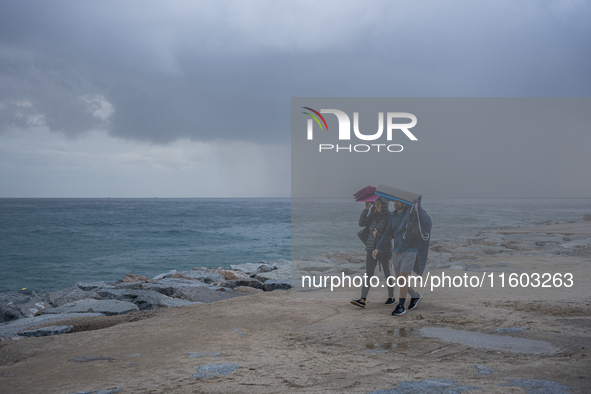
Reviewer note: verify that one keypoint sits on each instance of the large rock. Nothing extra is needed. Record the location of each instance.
(181, 276)
(65, 296)
(46, 331)
(317, 258)
(309, 266)
(247, 268)
(271, 285)
(144, 299)
(247, 290)
(232, 274)
(9, 313)
(347, 257)
(254, 268)
(136, 278)
(237, 283)
(443, 256)
(352, 269)
(169, 302)
(203, 274)
(466, 249)
(265, 268)
(165, 275)
(492, 239)
(107, 307)
(178, 283)
(571, 242)
(459, 257)
(33, 307)
(25, 302)
(206, 295)
(128, 285)
(167, 290)
(112, 294)
(15, 326)
(543, 239)
(494, 250)
(92, 286)
(18, 297)
(519, 246)
(206, 275)
(283, 272)
(440, 249)
(586, 217)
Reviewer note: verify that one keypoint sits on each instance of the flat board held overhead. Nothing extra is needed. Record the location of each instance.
(366, 194)
(392, 193)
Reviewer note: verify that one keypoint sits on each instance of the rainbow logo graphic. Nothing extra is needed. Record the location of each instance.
(315, 118)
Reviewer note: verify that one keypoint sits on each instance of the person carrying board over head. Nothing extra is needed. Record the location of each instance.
(410, 227)
(374, 220)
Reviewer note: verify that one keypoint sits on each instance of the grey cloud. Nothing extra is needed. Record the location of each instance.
(466, 148)
(227, 70)
(36, 93)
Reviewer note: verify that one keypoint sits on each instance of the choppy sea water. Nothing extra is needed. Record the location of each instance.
(54, 243)
(48, 244)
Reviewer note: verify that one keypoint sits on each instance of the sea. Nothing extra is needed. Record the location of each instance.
(50, 244)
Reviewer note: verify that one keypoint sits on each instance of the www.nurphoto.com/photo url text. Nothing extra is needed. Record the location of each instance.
(432, 282)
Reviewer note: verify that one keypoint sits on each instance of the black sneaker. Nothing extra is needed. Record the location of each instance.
(390, 301)
(399, 310)
(414, 302)
(358, 303)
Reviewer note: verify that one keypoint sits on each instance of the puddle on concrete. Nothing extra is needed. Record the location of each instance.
(502, 343)
(433, 386)
(396, 332)
(539, 386)
(399, 332)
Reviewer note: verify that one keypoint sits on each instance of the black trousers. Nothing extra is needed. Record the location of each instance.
(370, 267)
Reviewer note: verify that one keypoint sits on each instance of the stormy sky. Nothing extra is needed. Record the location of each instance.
(192, 98)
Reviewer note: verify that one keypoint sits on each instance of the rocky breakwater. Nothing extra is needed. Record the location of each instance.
(465, 253)
(21, 310)
(341, 264)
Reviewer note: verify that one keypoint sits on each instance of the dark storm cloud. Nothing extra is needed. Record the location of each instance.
(465, 148)
(227, 70)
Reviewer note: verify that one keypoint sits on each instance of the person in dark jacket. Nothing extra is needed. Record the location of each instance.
(408, 255)
(377, 219)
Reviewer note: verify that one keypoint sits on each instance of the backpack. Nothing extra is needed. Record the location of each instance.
(414, 233)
